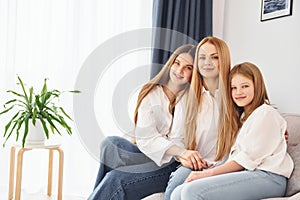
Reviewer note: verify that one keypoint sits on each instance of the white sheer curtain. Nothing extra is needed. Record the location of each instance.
(52, 38)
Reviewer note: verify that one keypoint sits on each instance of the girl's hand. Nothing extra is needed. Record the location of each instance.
(195, 175)
(228, 167)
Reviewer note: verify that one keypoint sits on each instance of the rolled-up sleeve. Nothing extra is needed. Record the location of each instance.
(151, 127)
(261, 135)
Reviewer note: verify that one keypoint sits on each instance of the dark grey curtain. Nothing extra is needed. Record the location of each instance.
(178, 22)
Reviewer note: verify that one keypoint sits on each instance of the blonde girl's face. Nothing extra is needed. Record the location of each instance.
(208, 61)
(181, 69)
(242, 90)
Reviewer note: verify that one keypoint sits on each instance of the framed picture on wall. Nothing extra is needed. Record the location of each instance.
(271, 9)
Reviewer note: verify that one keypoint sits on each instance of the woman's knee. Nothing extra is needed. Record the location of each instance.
(108, 142)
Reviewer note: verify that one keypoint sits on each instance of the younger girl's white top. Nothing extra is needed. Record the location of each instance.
(156, 129)
(261, 143)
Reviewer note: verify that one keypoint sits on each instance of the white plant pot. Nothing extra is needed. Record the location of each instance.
(36, 135)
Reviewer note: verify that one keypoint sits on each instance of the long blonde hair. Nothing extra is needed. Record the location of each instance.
(194, 99)
(163, 77)
(232, 124)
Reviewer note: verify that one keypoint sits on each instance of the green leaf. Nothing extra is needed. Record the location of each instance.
(38, 102)
(23, 104)
(49, 120)
(20, 122)
(62, 122)
(52, 129)
(25, 131)
(8, 109)
(63, 111)
(56, 93)
(12, 129)
(34, 115)
(68, 128)
(10, 101)
(9, 123)
(30, 94)
(75, 91)
(15, 93)
(24, 91)
(44, 90)
(45, 97)
(44, 127)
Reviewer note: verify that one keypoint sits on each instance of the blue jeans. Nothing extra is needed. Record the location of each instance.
(177, 178)
(126, 173)
(252, 185)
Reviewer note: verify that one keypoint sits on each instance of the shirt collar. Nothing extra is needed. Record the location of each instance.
(207, 92)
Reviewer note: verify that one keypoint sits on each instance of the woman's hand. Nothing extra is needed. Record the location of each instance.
(186, 163)
(192, 159)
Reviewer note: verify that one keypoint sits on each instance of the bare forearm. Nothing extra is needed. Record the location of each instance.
(227, 167)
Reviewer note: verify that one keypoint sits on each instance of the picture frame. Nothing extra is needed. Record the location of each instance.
(271, 9)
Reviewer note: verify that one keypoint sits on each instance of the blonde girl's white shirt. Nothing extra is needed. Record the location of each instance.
(261, 143)
(155, 130)
(207, 123)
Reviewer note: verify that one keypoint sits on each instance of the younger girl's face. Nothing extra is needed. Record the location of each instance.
(242, 90)
(181, 69)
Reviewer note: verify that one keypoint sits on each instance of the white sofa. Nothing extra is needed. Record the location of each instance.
(293, 188)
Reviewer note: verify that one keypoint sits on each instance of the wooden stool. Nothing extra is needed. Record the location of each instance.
(51, 148)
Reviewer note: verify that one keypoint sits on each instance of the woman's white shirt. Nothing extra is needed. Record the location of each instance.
(207, 123)
(156, 129)
(261, 143)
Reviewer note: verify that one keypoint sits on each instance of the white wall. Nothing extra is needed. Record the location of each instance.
(273, 45)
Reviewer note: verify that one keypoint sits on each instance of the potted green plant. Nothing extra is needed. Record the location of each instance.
(31, 108)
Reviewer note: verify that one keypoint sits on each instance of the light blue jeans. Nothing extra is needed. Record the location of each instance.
(243, 185)
(125, 173)
(176, 178)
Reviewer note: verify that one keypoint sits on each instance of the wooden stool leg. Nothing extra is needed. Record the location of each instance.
(11, 173)
(19, 173)
(50, 172)
(60, 173)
